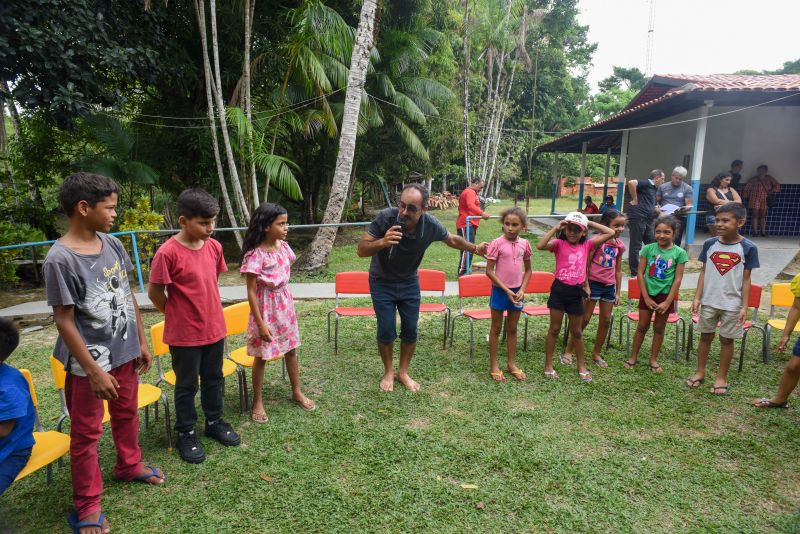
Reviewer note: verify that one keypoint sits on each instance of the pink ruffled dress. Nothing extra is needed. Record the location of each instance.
(272, 270)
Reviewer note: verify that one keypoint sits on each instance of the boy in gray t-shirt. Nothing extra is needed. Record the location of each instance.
(723, 292)
(101, 342)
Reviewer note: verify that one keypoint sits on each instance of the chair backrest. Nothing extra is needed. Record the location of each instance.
(633, 289)
(157, 339)
(352, 283)
(782, 295)
(540, 282)
(27, 374)
(754, 301)
(59, 374)
(431, 280)
(236, 318)
(474, 285)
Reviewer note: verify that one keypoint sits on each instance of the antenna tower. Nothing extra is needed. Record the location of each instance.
(648, 62)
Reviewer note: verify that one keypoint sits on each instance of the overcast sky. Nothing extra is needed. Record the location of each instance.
(692, 36)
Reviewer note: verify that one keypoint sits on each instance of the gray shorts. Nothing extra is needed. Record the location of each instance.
(727, 320)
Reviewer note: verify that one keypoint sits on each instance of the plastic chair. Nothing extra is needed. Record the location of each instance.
(781, 297)
(50, 445)
(237, 317)
(348, 283)
(431, 280)
(635, 294)
(148, 395)
(538, 284)
(162, 349)
(471, 285)
(754, 301)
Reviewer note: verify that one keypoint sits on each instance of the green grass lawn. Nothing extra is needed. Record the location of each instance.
(630, 452)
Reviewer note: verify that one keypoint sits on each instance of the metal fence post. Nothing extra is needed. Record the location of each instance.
(136, 259)
(469, 256)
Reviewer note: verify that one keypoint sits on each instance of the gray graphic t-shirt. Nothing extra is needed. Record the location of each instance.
(724, 265)
(96, 285)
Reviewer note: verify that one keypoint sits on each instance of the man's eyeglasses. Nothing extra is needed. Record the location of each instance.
(410, 208)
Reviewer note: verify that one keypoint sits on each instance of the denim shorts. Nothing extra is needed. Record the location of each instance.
(796, 349)
(11, 466)
(391, 296)
(499, 300)
(601, 291)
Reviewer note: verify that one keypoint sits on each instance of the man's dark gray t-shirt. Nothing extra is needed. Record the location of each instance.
(96, 285)
(645, 207)
(408, 253)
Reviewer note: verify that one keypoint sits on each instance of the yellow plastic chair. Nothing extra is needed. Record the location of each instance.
(148, 395)
(782, 297)
(236, 318)
(50, 445)
(162, 349)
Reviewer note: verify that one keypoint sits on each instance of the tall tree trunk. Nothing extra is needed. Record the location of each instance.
(217, 90)
(320, 248)
(501, 120)
(533, 130)
(466, 91)
(200, 10)
(12, 108)
(249, 11)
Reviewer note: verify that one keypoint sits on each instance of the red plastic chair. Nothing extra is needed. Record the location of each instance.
(471, 285)
(754, 301)
(539, 283)
(432, 280)
(349, 283)
(635, 294)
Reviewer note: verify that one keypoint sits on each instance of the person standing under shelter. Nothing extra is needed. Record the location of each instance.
(758, 193)
(641, 212)
(397, 240)
(736, 173)
(678, 193)
(469, 205)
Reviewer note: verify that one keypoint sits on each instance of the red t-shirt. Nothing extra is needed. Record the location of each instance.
(193, 314)
(591, 209)
(468, 204)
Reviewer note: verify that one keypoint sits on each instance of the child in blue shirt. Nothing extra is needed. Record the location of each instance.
(17, 414)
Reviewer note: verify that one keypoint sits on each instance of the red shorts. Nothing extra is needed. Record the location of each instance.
(658, 300)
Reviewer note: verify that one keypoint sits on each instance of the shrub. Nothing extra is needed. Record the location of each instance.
(12, 234)
(141, 217)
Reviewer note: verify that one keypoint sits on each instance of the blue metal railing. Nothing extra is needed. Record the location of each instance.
(135, 245)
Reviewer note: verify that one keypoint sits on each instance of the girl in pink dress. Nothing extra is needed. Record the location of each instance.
(272, 331)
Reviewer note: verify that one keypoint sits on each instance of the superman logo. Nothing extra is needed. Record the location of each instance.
(725, 261)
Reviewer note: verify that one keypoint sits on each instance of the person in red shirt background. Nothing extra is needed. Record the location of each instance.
(469, 205)
(591, 207)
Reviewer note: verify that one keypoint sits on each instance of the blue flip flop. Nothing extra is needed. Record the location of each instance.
(77, 524)
(153, 473)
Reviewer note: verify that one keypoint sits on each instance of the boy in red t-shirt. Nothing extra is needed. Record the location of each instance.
(183, 286)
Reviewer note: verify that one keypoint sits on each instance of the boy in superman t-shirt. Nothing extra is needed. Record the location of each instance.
(723, 291)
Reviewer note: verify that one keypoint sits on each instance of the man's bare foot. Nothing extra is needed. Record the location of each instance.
(387, 382)
(408, 383)
(304, 402)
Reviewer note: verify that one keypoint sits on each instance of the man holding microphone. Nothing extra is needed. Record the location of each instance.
(397, 240)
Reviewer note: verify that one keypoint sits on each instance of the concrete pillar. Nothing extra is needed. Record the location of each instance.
(697, 167)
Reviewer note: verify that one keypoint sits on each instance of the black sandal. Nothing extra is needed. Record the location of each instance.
(723, 387)
(694, 382)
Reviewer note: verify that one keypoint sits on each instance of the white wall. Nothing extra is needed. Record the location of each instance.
(767, 134)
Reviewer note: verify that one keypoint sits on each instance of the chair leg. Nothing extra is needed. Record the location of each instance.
(610, 330)
(741, 349)
(283, 368)
(471, 337)
(49, 473)
(768, 330)
(565, 322)
(690, 340)
(336, 335)
(619, 342)
(628, 339)
(525, 339)
(167, 422)
(329, 327)
(146, 417)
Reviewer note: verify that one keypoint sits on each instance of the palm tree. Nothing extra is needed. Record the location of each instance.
(320, 248)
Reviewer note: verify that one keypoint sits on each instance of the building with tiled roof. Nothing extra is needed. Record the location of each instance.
(704, 122)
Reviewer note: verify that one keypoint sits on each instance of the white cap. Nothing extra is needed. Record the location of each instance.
(576, 217)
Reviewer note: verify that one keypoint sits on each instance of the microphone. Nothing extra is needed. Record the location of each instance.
(400, 222)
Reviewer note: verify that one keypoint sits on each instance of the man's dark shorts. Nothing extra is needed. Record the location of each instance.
(402, 296)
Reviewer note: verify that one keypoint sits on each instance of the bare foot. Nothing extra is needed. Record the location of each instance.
(408, 383)
(304, 402)
(387, 382)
